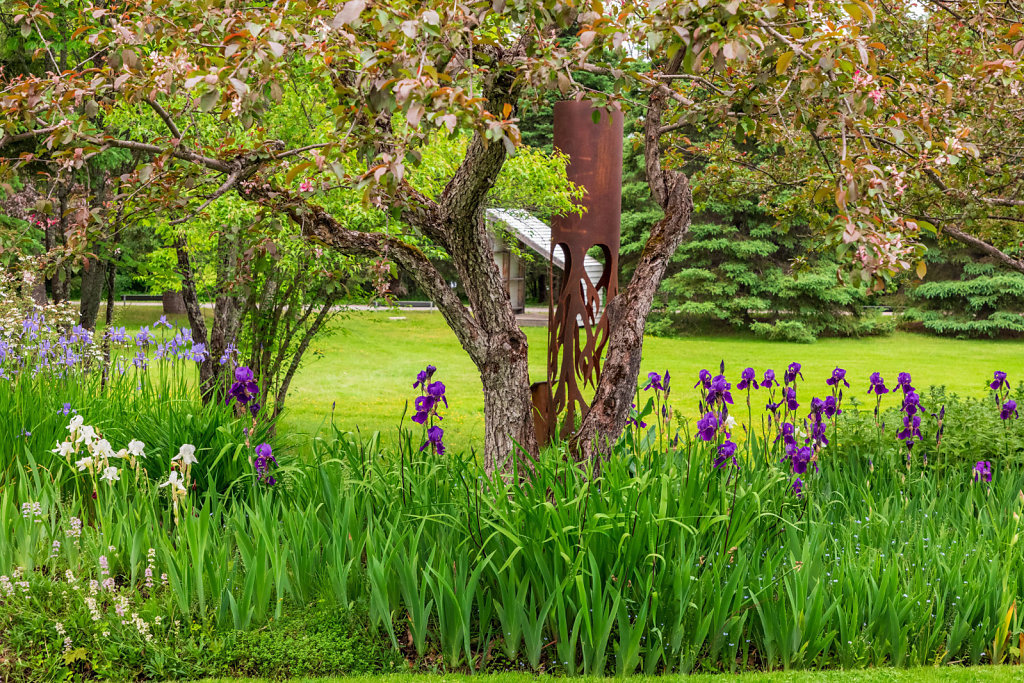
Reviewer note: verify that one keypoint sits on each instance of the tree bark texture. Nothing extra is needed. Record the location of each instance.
(94, 275)
(227, 309)
(195, 315)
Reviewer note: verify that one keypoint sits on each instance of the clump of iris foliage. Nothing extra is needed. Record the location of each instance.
(786, 528)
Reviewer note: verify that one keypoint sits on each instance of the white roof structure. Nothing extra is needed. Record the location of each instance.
(536, 234)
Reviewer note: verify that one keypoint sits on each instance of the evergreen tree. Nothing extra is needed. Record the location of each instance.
(985, 301)
(735, 272)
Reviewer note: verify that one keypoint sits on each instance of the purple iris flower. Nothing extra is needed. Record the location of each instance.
(911, 402)
(838, 375)
(654, 382)
(726, 450)
(792, 372)
(798, 487)
(1000, 381)
(818, 431)
(983, 471)
(436, 391)
(788, 434)
(264, 456)
(245, 388)
(81, 335)
(423, 376)
(66, 409)
(435, 436)
(832, 407)
(424, 406)
(748, 380)
(634, 419)
(163, 321)
(229, 351)
(801, 459)
(199, 353)
(789, 394)
(877, 384)
(144, 337)
(30, 326)
(817, 408)
(769, 379)
(1009, 410)
(903, 381)
(719, 389)
(704, 380)
(433, 395)
(707, 426)
(911, 429)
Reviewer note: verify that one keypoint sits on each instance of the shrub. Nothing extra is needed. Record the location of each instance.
(318, 641)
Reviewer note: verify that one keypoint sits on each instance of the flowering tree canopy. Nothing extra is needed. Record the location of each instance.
(889, 121)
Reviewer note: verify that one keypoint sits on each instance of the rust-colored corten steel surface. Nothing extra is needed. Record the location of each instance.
(578, 326)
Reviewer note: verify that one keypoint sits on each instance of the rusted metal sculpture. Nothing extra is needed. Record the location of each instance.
(578, 324)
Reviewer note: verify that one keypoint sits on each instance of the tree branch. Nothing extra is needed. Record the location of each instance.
(182, 154)
(27, 135)
(970, 240)
(168, 121)
(318, 225)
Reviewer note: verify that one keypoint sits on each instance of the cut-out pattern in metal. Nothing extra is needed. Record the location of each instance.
(578, 324)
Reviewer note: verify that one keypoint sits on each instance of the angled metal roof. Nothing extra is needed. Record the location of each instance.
(536, 234)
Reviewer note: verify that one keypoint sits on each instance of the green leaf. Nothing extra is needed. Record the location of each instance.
(208, 101)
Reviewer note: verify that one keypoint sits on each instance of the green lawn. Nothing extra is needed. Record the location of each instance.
(924, 675)
(367, 365)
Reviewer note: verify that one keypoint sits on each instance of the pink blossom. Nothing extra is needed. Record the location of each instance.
(306, 186)
(861, 78)
(875, 95)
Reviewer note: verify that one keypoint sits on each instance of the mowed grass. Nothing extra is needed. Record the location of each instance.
(916, 675)
(363, 370)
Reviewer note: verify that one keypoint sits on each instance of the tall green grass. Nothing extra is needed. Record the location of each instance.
(662, 563)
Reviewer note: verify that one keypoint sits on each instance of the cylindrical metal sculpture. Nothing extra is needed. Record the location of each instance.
(578, 325)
